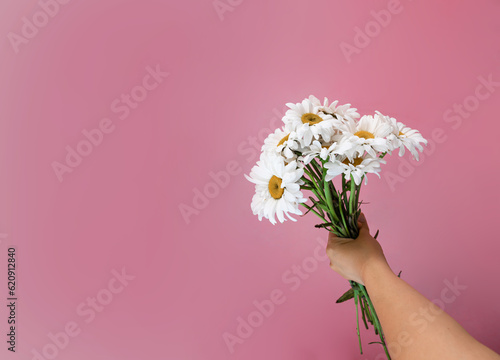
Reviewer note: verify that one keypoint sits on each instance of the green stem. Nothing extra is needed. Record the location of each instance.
(352, 196)
(328, 196)
(317, 168)
(347, 230)
(312, 180)
(312, 173)
(342, 212)
(356, 294)
(363, 310)
(358, 190)
(311, 208)
(376, 322)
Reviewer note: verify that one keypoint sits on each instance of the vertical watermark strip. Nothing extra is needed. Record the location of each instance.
(12, 303)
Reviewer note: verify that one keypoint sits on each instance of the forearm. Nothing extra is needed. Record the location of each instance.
(414, 327)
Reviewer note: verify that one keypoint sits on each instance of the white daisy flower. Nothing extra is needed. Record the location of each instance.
(277, 188)
(358, 167)
(342, 112)
(368, 135)
(282, 143)
(308, 122)
(403, 137)
(337, 146)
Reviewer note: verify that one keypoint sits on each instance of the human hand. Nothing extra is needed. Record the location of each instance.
(351, 257)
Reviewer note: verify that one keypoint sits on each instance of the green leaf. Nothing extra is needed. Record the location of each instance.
(349, 294)
(309, 208)
(324, 225)
(322, 206)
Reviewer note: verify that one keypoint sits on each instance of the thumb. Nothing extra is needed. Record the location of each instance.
(362, 223)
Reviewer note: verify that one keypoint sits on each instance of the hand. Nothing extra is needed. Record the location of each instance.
(351, 257)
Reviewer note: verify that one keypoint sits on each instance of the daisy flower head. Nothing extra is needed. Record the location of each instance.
(309, 122)
(277, 188)
(403, 137)
(357, 168)
(341, 112)
(369, 134)
(323, 150)
(283, 143)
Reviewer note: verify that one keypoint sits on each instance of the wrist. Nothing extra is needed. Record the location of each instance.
(376, 268)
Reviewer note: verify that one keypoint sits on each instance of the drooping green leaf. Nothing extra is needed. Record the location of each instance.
(324, 225)
(349, 294)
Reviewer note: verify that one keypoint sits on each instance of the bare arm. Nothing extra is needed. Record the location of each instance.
(414, 327)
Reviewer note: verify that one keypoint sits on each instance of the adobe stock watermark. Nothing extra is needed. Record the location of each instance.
(223, 6)
(31, 26)
(363, 35)
(424, 316)
(87, 311)
(122, 107)
(455, 115)
(291, 279)
(220, 179)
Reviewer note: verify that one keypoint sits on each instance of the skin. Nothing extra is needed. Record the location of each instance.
(414, 327)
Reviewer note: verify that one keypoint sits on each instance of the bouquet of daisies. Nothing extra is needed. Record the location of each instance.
(318, 143)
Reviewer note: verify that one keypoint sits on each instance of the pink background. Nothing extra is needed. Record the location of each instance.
(120, 208)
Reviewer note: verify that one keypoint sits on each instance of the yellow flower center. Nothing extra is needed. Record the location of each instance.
(400, 133)
(311, 119)
(282, 141)
(355, 162)
(364, 134)
(275, 187)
